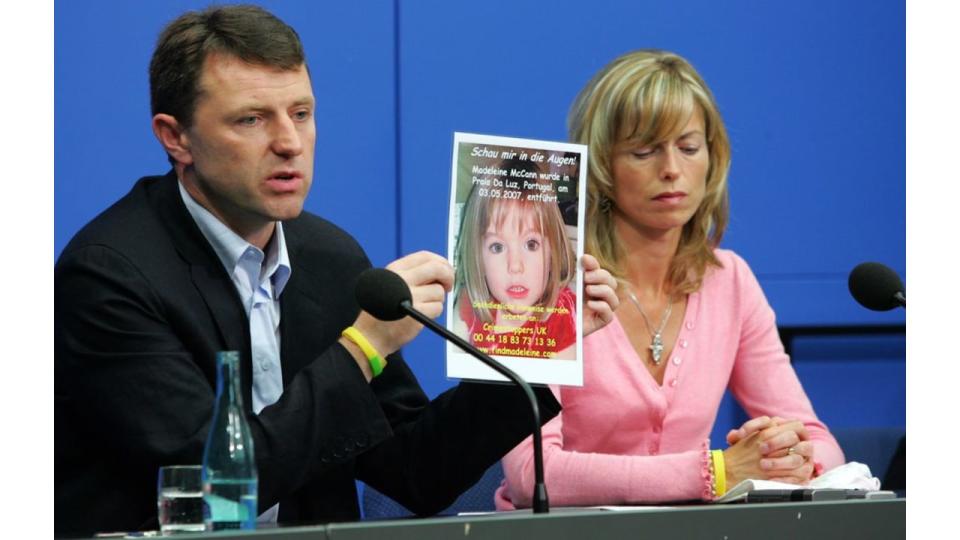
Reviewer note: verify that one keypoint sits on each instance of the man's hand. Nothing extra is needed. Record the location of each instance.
(429, 277)
(599, 295)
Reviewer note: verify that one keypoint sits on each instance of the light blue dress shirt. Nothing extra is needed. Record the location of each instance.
(259, 279)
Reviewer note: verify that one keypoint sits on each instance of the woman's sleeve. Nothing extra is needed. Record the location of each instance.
(581, 479)
(763, 381)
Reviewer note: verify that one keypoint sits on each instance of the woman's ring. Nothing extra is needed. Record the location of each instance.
(792, 450)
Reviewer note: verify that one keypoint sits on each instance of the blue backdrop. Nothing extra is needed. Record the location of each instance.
(812, 92)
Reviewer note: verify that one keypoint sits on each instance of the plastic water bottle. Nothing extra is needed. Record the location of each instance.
(229, 468)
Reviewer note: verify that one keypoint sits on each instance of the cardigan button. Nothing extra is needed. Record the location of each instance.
(676, 360)
(689, 325)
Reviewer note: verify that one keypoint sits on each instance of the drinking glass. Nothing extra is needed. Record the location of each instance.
(180, 499)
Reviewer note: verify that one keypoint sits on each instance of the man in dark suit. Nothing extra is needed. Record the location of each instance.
(151, 289)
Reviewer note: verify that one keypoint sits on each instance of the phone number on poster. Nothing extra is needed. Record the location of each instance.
(514, 339)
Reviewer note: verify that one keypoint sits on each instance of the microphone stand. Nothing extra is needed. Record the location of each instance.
(541, 504)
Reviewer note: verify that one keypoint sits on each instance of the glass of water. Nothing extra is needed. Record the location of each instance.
(180, 499)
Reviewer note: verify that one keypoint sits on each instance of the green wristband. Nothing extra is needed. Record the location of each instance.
(377, 363)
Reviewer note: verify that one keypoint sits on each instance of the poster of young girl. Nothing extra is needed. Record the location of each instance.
(516, 223)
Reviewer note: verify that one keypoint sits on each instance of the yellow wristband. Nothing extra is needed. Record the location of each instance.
(719, 473)
(377, 363)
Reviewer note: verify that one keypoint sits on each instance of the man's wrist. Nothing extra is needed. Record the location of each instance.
(377, 363)
(373, 330)
(358, 357)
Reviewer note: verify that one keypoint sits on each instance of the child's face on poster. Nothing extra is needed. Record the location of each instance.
(513, 260)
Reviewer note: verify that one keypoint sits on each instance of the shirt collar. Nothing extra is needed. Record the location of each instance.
(230, 247)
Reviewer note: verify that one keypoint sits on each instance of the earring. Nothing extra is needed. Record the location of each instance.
(605, 204)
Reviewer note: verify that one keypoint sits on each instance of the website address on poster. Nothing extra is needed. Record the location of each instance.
(527, 353)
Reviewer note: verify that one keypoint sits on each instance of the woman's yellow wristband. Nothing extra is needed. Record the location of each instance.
(377, 363)
(719, 473)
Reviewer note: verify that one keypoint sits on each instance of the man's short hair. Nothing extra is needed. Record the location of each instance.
(249, 33)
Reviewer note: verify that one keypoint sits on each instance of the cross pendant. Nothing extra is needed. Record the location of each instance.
(656, 347)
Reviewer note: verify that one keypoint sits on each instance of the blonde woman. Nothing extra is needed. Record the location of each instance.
(692, 320)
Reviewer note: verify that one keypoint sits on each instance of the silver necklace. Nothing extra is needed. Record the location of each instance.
(656, 344)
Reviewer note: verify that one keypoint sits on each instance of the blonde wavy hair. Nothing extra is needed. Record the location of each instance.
(648, 96)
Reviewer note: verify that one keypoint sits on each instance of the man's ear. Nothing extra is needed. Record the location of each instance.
(173, 136)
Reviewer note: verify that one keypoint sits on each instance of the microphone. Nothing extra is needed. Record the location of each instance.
(381, 292)
(876, 286)
(386, 296)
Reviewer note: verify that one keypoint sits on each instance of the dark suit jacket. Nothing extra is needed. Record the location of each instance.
(142, 304)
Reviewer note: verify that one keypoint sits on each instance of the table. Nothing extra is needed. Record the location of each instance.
(874, 519)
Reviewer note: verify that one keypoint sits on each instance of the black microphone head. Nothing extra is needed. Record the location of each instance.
(875, 286)
(380, 293)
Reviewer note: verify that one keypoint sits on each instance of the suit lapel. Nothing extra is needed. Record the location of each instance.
(208, 274)
(313, 308)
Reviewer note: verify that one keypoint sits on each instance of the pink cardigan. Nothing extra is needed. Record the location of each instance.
(623, 439)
